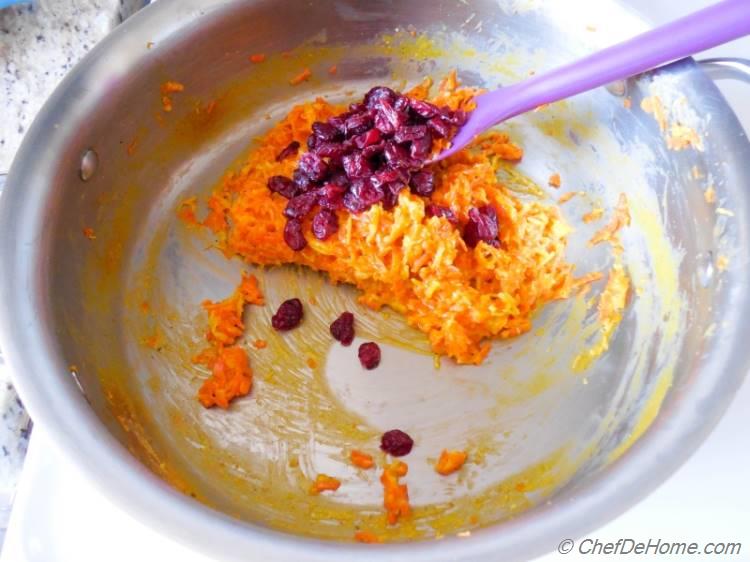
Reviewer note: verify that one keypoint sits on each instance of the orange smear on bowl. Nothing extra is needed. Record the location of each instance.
(395, 494)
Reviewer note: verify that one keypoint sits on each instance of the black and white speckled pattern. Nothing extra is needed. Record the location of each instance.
(39, 44)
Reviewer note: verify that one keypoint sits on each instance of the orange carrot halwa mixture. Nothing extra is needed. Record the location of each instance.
(420, 266)
(450, 462)
(395, 494)
(324, 483)
(361, 460)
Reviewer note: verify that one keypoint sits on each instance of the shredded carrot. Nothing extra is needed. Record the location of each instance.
(301, 77)
(460, 297)
(565, 197)
(593, 215)
(367, 537)
(450, 461)
(333, 70)
(257, 58)
(395, 494)
(710, 195)
(225, 325)
(89, 233)
(186, 211)
(260, 344)
(620, 219)
(555, 181)
(362, 460)
(324, 483)
(167, 89)
(231, 377)
(627, 103)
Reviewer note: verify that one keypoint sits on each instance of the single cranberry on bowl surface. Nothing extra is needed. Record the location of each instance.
(369, 355)
(288, 316)
(396, 443)
(342, 329)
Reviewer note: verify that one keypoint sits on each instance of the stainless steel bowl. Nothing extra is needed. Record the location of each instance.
(103, 154)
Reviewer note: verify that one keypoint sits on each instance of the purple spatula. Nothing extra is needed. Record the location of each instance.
(702, 30)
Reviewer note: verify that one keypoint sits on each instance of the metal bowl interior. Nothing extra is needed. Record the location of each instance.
(554, 451)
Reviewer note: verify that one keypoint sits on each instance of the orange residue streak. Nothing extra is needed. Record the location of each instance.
(367, 537)
(620, 219)
(555, 180)
(333, 70)
(260, 344)
(186, 211)
(420, 267)
(593, 215)
(324, 483)
(258, 58)
(231, 377)
(167, 89)
(312, 363)
(132, 146)
(362, 460)
(89, 233)
(450, 461)
(395, 494)
(301, 77)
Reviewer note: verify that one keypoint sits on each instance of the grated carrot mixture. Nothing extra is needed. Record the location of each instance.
(361, 460)
(450, 462)
(231, 377)
(458, 296)
(324, 483)
(395, 494)
(225, 324)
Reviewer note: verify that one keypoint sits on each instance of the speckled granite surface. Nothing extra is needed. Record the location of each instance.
(39, 44)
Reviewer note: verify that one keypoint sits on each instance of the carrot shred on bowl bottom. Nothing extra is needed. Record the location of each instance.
(418, 265)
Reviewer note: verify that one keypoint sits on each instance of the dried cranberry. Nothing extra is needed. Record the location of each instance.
(326, 131)
(342, 329)
(330, 196)
(330, 149)
(300, 206)
(313, 166)
(357, 108)
(397, 443)
(439, 127)
(423, 108)
(358, 124)
(377, 95)
(362, 195)
(366, 139)
(397, 156)
(293, 235)
(288, 316)
(357, 166)
(290, 150)
(458, 118)
(394, 117)
(339, 178)
(283, 186)
(410, 133)
(433, 210)
(369, 355)
(325, 223)
(482, 227)
(420, 149)
(373, 150)
(401, 103)
(302, 181)
(423, 183)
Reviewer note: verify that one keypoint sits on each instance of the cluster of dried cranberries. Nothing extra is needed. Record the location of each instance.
(362, 157)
